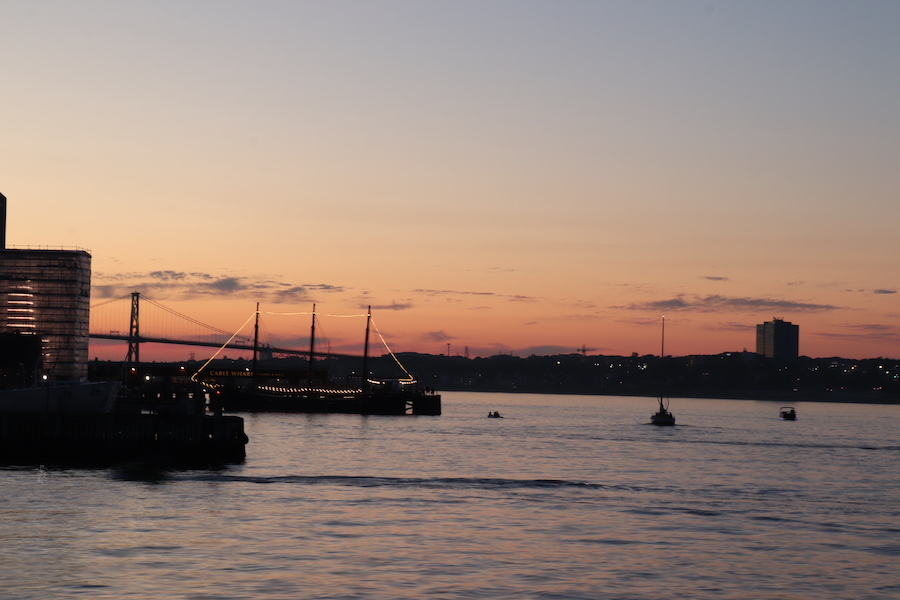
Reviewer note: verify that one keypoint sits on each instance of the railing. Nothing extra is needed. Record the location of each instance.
(41, 247)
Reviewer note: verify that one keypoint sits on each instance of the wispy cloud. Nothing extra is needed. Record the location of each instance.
(715, 278)
(870, 327)
(452, 293)
(511, 297)
(733, 326)
(391, 306)
(180, 285)
(438, 336)
(173, 275)
(863, 331)
(717, 303)
(870, 291)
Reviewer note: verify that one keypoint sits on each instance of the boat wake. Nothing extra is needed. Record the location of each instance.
(770, 444)
(407, 482)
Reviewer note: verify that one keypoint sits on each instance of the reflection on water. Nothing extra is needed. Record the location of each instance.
(566, 497)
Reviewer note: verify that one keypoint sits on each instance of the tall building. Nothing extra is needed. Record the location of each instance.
(46, 294)
(778, 340)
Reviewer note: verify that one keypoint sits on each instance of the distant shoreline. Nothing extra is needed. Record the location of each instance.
(757, 395)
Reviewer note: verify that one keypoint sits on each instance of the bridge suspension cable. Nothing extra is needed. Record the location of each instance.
(110, 301)
(185, 317)
(161, 330)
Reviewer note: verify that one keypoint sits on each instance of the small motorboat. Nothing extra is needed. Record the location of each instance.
(494, 415)
(787, 413)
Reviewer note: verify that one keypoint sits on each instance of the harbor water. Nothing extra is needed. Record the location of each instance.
(565, 497)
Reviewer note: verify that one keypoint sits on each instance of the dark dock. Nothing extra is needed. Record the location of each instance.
(39, 438)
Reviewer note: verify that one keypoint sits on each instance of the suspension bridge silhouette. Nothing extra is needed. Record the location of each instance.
(137, 320)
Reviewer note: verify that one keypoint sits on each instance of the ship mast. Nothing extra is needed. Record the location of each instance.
(312, 345)
(255, 347)
(365, 368)
(662, 364)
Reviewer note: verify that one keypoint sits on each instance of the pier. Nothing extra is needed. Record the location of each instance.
(30, 438)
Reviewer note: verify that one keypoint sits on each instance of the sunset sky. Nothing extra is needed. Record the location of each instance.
(504, 177)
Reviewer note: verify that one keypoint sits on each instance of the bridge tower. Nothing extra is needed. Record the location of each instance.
(134, 331)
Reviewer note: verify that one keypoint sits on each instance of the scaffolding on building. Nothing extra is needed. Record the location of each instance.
(46, 293)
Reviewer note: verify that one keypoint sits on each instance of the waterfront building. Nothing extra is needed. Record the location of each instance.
(45, 293)
(779, 340)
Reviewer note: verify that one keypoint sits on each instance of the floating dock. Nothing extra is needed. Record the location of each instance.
(31, 438)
